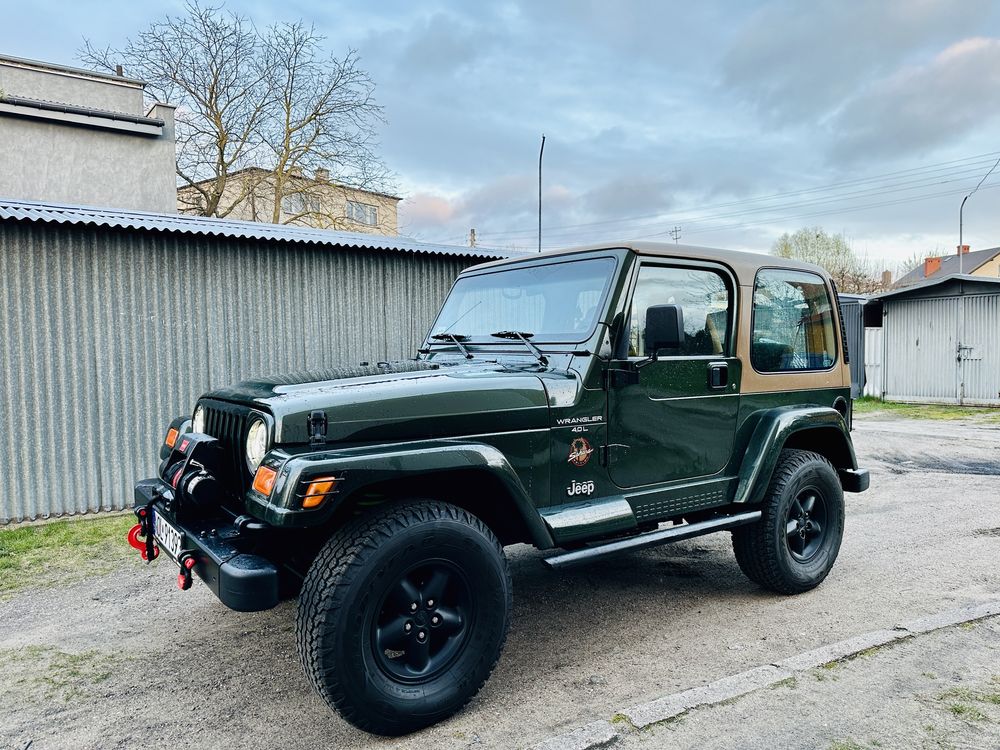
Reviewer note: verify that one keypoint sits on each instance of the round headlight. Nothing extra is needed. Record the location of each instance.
(198, 420)
(256, 443)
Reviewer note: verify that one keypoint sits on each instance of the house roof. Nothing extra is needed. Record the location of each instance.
(982, 282)
(53, 213)
(290, 175)
(23, 62)
(949, 266)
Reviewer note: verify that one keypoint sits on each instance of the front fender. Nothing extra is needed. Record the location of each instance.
(774, 428)
(361, 467)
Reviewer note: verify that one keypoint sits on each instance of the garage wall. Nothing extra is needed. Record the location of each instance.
(109, 333)
(924, 361)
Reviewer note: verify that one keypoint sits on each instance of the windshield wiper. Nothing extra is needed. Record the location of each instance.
(456, 339)
(524, 336)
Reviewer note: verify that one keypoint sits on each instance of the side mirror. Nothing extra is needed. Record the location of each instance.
(664, 329)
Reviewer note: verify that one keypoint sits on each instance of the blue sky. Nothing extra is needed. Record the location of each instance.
(657, 114)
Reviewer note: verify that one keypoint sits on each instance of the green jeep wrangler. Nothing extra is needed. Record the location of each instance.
(589, 402)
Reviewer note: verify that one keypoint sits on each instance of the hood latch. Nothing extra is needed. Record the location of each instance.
(317, 427)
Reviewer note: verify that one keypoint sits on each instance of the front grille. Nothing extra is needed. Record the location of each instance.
(228, 423)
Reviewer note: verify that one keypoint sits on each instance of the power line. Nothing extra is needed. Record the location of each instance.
(925, 172)
(873, 192)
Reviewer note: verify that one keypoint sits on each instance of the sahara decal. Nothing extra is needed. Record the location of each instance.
(579, 451)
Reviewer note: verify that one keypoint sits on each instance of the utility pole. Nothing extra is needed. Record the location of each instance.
(676, 234)
(961, 259)
(540, 152)
(472, 237)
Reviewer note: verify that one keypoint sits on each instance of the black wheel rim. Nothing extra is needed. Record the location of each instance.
(806, 524)
(423, 622)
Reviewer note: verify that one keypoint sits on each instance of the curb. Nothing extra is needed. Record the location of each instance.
(603, 733)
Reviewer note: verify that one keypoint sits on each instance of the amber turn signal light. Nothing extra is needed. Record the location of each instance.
(317, 491)
(263, 480)
(171, 437)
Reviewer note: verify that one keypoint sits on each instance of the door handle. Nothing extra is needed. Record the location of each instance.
(718, 375)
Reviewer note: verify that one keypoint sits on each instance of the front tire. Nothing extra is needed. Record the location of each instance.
(794, 545)
(403, 615)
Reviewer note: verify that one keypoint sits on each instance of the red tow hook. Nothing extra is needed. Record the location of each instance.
(184, 576)
(140, 538)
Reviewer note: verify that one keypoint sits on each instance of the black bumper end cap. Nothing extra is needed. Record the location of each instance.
(854, 480)
(248, 583)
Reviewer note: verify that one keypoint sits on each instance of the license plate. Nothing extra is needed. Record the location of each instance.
(170, 538)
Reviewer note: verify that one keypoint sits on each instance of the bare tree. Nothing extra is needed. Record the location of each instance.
(852, 273)
(322, 112)
(255, 109)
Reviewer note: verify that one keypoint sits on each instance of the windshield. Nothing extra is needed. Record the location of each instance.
(556, 302)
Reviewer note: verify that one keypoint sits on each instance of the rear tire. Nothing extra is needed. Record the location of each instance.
(403, 615)
(794, 545)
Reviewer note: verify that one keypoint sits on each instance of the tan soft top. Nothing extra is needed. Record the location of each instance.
(744, 264)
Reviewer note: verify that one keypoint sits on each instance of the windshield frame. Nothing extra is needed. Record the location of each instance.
(584, 336)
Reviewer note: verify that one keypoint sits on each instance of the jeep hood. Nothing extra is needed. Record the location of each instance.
(412, 400)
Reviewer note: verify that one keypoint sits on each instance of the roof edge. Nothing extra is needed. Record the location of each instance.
(55, 213)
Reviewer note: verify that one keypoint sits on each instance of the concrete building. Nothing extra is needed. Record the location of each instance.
(75, 136)
(984, 263)
(313, 201)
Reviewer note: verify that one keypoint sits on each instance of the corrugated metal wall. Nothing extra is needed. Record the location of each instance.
(981, 353)
(921, 350)
(854, 326)
(108, 334)
(873, 362)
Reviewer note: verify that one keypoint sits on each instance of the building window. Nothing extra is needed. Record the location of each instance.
(300, 203)
(362, 213)
(792, 322)
(704, 300)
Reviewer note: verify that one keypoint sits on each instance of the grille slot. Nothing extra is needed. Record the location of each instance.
(228, 423)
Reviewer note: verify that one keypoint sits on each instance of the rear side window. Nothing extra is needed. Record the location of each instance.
(705, 302)
(792, 322)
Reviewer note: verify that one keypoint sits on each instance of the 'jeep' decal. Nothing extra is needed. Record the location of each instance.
(580, 488)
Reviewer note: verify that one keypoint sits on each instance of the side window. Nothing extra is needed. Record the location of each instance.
(704, 301)
(792, 322)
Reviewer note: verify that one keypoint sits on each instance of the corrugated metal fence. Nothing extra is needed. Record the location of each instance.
(854, 326)
(109, 333)
(923, 359)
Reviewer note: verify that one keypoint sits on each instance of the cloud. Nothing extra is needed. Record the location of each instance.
(795, 61)
(922, 106)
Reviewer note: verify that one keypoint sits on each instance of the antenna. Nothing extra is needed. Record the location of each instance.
(676, 233)
(540, 152)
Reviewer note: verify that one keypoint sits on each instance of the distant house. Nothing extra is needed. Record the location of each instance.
(313, 201)
(79, 137)
(980, 263)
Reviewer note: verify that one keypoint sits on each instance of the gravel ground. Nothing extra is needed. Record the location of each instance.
(127, 660)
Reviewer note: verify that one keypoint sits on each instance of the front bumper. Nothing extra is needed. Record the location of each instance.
(854, 480)
(242, 581)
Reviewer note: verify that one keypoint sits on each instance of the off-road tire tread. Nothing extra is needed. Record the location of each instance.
(345, 556)
(755, 556)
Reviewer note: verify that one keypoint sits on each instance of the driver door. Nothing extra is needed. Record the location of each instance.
(678, 421)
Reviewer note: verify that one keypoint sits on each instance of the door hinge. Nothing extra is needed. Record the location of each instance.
(609, 452)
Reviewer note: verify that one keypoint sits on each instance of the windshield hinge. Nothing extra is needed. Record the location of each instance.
(614, 378)
(317, 427)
